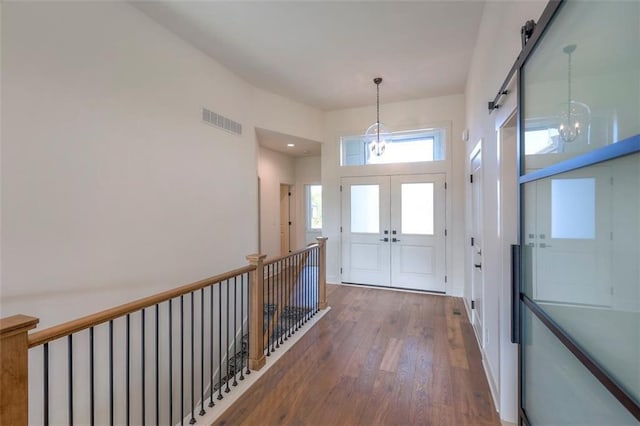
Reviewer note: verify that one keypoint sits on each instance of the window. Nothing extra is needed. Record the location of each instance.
(314, 207)
(404, 147)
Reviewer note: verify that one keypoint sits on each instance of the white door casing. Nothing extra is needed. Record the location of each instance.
(477, 277)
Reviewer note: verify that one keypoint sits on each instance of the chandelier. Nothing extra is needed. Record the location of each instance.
(377, 136)
(574, 115)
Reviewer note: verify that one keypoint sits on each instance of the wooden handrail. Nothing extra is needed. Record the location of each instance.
(293, 253)
(70, 327)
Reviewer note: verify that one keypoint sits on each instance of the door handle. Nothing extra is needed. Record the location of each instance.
(394, 240)
(385, 239)
(478, 265)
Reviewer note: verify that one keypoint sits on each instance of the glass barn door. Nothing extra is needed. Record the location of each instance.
(578, 304)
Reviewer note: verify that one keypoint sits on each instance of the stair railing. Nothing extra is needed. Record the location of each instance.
(160, 359)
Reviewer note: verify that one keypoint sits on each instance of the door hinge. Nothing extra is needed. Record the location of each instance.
(289, 194)
(341, 229)
(445, 185)
(471, 178)
(290, 223)
(473, 241)
(340, 188)
(340, 270)
(473, 304)
(445, 232)
(445, 278)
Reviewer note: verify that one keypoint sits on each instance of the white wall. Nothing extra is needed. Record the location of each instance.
(274, 169)
(112, 187)
(497, 47)
(446, 110)
(307, 170)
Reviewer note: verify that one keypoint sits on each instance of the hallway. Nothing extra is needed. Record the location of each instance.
(378, 357)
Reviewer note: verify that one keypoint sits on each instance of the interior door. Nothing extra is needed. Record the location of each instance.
(365, 230)
(418, 232)
(393, 231)
(477, 278)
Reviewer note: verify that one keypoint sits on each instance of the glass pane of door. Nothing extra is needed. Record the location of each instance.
(558, 389)
(582, 84)
(365, 209)
(417, 208)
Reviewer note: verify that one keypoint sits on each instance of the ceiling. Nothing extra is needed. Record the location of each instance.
(325, 54)
(282, 143)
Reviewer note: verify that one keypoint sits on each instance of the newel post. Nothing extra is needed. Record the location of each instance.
(256, 313)
(14, 355)
(322, 273)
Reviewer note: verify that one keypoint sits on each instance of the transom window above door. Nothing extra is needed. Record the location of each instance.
(404, 147)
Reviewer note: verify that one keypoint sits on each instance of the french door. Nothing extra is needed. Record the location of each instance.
(393, 231)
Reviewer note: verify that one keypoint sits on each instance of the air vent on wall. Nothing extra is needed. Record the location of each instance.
(221, 122)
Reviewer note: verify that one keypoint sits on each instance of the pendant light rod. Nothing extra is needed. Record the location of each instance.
(377, 81)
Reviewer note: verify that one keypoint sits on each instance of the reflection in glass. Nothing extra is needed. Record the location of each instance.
(365, 209)
(581, 260)
(573, 211)
(417, 208)
(582, 85)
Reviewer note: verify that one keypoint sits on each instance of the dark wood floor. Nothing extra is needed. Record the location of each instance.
(378, 357)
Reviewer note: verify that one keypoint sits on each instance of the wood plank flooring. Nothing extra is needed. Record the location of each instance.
(377, 358)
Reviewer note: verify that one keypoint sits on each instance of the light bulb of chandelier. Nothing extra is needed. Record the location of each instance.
(377, 137)
(574, 118)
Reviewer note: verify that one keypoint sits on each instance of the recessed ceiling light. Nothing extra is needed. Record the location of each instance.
(291, 145)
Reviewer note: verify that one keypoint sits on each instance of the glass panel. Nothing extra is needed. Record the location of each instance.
(582, 84)
(557, 388)
(365, 209)
(581, 260)
(314, 207)
(417, 208)
(404, 147)
(573, 208)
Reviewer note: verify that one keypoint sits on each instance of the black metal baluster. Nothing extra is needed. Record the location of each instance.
(297, 289)
(142, 372)
(70, 367)
(211, 403)
(220, 340)
(306, 287)
(291, 298)
(280, 300)
(235, 329)
(227, 340)
(171, 362)
(157, 364)
(317, 281)
(248, 371)
(267, 306)
(202, 412)
(192, 420)
(128, 369)
(287, 296)
(272, 306)
(111, 412)
(242, 327)
(181, 359)
(45, 388)
(92, 412)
